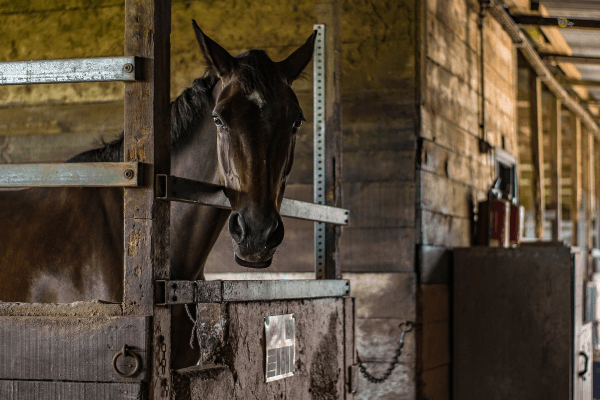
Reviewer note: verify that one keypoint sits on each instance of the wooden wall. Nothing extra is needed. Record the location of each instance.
(53, 122)
(452, 175)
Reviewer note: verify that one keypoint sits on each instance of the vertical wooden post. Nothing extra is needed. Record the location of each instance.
(575, 123)
(590, 197)
(147, 140)
(537, 150)
(329, 13)
(556, 166)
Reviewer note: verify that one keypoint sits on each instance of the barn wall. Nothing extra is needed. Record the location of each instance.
(452, 175)
(53, 122)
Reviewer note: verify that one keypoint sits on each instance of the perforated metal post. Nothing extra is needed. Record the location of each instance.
(319, 145)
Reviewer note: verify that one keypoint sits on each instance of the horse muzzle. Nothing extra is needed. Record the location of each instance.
(255, 240)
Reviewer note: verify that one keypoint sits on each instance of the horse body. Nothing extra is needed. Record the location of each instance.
(234, 127)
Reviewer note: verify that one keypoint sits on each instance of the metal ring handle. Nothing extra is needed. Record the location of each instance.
(582, 373)
(126, 352)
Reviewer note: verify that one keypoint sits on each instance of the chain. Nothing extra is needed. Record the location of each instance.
(408, 326)
(163, 367)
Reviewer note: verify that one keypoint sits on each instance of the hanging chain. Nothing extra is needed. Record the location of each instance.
(408, 326)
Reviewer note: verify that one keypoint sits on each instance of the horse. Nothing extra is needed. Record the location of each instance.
(235, 126)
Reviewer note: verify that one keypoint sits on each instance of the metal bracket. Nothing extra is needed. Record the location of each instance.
(172, 188)
(192, 292)
(319, 144)
(353, 379)
(99, 174)
(101, 69)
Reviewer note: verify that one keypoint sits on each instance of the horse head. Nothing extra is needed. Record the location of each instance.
(257, 116)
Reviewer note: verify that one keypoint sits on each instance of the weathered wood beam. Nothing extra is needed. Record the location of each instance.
(329, 13)
(147, 140)
(571, 59)
(537, 152)
(579, 82)
(590, 183)
(575, 123)
(556, 166)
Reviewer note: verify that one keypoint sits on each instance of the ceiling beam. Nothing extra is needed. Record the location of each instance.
(578, 82)
(556, 21)
(570, 59)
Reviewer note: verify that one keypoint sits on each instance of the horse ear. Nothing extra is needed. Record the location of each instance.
(216, 57)
(293, 65)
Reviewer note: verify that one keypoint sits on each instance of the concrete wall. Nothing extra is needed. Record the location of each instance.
(452, 174)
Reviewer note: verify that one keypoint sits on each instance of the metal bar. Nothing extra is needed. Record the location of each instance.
(100, 69)
(319, 144)
(173, 188)
(189, 292)
(570, 59)
(562, 22)
(76, 174)
(528, 50)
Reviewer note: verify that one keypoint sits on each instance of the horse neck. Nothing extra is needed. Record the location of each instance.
(195, 229)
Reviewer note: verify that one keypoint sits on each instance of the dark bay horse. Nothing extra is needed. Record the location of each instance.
(235, 127)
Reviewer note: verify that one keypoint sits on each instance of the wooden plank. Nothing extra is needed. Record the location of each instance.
(395, 249)
(384, 295)
(435, 383)
(377, 340)
(556, 166)
(25, 390)
(349, 345)
(380, 204)
(444, 230)
(71, 348)
(435, 344)
(575, 176)
(78, 309)
(320, 352)
(441, 195)
(148, 140)
(434, 263)
(537, 149)
(329, 13)
(591, 186)
(434, 303)
(401, 384)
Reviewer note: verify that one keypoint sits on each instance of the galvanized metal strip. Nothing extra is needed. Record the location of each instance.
(188, 292)
(100, 69)
(72, 174)
(319, 144)
(172, 188)
(284, 290)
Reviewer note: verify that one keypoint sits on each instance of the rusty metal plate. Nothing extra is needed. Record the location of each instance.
(280, 342)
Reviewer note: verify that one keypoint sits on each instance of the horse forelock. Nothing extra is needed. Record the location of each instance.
(257, 73)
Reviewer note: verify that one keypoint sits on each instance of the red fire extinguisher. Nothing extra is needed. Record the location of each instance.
(494, 219)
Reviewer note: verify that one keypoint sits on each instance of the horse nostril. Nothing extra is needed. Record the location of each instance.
(237, 228)
(275, 234)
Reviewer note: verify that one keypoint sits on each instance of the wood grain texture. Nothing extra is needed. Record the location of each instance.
(556, 166)
(434, 263)
(320, 353)
(71, 348)
(537, 150)
(147, 139)
(26, 390)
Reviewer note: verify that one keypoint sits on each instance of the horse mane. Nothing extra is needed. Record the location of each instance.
(256, 73)
(184, 118)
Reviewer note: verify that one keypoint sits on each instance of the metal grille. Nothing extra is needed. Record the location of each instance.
(319, 144)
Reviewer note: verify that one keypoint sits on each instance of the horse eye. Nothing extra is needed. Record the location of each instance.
(218, 121)
(297, 125)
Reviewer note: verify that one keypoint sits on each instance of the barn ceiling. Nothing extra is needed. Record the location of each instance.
(583, 42)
